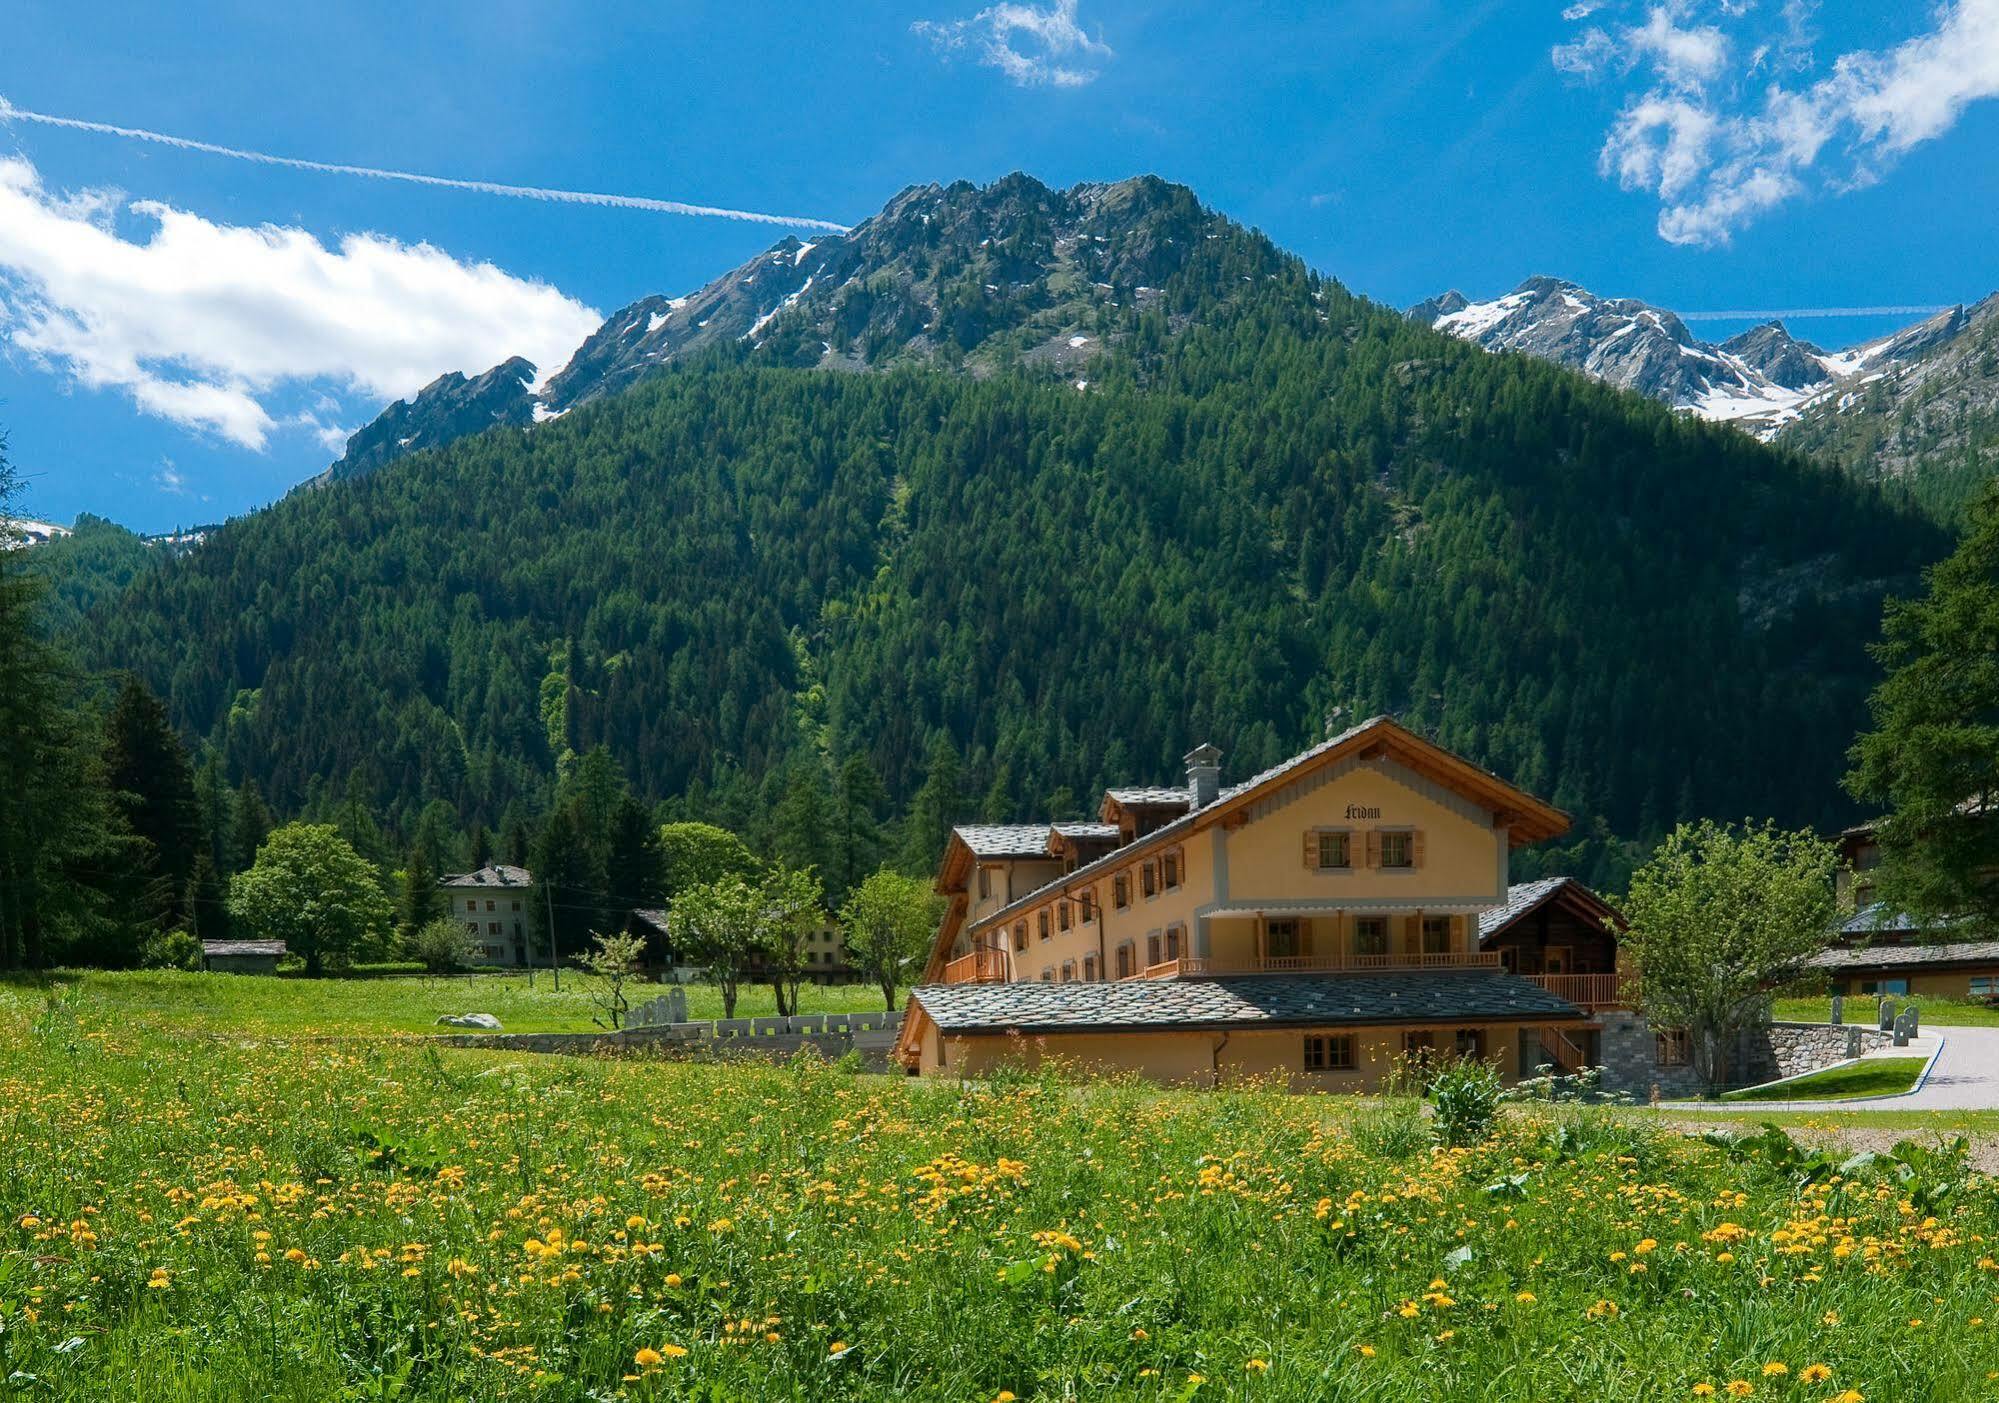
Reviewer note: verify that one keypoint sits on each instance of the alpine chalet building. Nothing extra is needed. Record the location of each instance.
(1316, 922)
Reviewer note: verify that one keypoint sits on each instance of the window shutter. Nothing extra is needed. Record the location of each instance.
(1412, 934)
(1304, 936)
(1373, 848)
(1416, 848)
(1311, 850)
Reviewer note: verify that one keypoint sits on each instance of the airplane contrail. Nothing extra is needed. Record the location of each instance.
(10, 113)
(1802, 313)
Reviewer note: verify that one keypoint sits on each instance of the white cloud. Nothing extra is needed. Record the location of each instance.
(1034, 45)
(1722, 143)
(208, 324)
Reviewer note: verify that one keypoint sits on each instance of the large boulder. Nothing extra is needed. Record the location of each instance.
(471, 1020)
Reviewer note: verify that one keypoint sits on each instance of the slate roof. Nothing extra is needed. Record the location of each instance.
(1143, 795)
(497, 874)
(243, 947)
(1521, 898)
(1876, 917)
(1004, 839)
(1969, 952)
(1088, 831)
(1248, 1001)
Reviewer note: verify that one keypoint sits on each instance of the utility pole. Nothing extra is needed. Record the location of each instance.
(554, 966)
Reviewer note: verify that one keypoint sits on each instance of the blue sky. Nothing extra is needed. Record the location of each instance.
(163, 363)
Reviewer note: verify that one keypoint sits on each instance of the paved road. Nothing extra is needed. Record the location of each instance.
(1964, 1078)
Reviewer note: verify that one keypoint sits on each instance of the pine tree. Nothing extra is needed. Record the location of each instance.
(859, 803)
(423, 901)
(937, 805)
(153, 786)
(207, 902)
(481, 846)
(57, 827)
(635, 870)
(1932, 757)
(251, 826)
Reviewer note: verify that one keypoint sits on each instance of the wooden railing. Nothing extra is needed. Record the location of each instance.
(981, 966)
(1559, 1048)
(1590, 992)
(1202, 966)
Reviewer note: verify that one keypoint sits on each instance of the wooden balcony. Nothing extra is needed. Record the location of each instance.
(981, 966)
(1201, 967)
(1590, 992)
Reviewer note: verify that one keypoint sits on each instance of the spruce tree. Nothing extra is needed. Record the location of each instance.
(251, 825)
(1932, 757)
(635, 870)
(58, 837)
(153, 788)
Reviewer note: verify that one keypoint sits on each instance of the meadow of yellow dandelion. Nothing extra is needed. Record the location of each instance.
(255, 1215)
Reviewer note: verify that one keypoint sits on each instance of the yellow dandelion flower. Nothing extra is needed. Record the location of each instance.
(1814, 1374)
(1741, 1388)
(1774, 1368)
(647, 1357)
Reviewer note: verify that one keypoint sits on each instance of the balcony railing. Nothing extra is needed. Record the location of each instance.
(981, 966)
(1590, 992)
(1203, 967)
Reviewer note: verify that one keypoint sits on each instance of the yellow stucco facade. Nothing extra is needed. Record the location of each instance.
(1374, 852)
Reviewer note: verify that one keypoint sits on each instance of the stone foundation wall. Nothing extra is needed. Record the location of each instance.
(875, 1048)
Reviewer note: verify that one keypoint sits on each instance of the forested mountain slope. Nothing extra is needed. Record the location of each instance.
(1272, 505)
(960, 277)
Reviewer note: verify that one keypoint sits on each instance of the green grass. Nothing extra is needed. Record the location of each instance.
(1944, 1013)
(296, 1219)
(1872, 1076)
(170, 1000)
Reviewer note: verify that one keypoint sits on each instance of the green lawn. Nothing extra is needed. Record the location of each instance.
(1945, 1013)
(166, 999)
(1873, 1076)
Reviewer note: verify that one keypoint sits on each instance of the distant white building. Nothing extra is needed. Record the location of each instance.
(496, 903)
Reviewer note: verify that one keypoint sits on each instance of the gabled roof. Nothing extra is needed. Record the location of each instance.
(1969, 952)
(1269, 1001)
(1004, 839)
(1528, 819)
(243, 947)
(496, 875)
(1088, 831)
(1149, 795)
(1525, 898)
(1878, 918)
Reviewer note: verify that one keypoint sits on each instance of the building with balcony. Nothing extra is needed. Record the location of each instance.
(1316, 921)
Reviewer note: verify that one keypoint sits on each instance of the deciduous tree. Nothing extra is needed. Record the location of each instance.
(886, 927)
(310, 889)
(1719, 915)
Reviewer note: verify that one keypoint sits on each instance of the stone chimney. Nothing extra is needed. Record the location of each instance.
(1204, 774)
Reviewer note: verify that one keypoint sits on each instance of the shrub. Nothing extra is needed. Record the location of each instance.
(1465, 1093)
(174, 949)
(441, 946)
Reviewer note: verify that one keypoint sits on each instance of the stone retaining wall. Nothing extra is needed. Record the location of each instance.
(1762, 1053)
(680, 1044)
